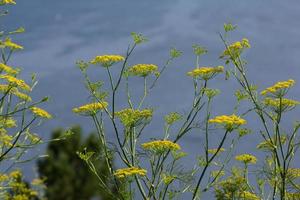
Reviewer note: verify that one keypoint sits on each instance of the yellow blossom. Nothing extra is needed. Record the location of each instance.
(160, 146)
(40, 112)
(129, 117)
(16, 82)
(205, 73)
(249, 196)
(246, 158)
(8, 2)
(236, 48)
(91, 108)
(3, 177)
(8, 69)
(293, 173)
(279, 88)
(9, 44)
(229, 121)
(107, 60)
(131, 171)
(142, 70)
(16, 174)
(5, 139)
(280, 104)
(213, 151)
(7, 122)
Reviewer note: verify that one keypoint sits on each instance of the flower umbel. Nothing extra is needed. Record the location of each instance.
(279, 88)
(230, 122)
(15, 82)
(40, 113)
(90, 109)
(205, 73)
(131, 171)
(107, 60)
(161, 146)
(142, 70)
(280, 104)
(9, 70)
(130, 117)
(9, 44)
(246, 158)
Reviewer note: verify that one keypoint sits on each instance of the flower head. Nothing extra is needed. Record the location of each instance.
(143, 70)
(9, 70)
(161, 146)
(235, 49)
(214, 151)
(40, 112)
(8, 2)
(130, 117)
(7, 43)
(249, 196)
(90, 109)
(279, 88)
(230, 122)
(246, 158)
(130, 171)
(205, 73)
(15, 82)
(280, 104)
(107, 60)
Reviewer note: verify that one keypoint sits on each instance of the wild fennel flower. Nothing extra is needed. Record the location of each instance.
(9, 44)
(130, 117)
(143, 70)
(21, 95)
(107, 60)
(293, 173)
(280, 104)
(172, 117)
(7, 122)
(8, 69)
(161, 146)
(130, 171)
(246, 158)
(15, 82)
(213, 151)
(230, 122)
(40, 112)
(8, 2)
(205, 73)
(293, 195)
(90, 109)
(5, 139)
(236, 48)
(249, 196)
(279, 88)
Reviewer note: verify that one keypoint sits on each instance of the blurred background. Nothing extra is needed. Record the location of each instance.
(58, 33)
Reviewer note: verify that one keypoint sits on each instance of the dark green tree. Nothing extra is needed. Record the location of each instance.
(67, 177)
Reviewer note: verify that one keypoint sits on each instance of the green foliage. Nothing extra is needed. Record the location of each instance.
(66, 174)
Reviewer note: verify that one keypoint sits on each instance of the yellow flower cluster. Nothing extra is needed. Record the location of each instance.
(5, 139)
(279, 87)
(172, 117)
(129, 117)
(90, 109)
(246, 158)
(293, 195)
(205, 72)
(293, 173)
(143, 70)
(249, 196)
(40, 112)
(107, 60)
(160, 146)
(130, 171)
(14, 91)
(9, 44)
(8, 2)
(16, 82)
(229, 121)
(236, 48)
(283, 103)
(213, 151)
(9, 70)
(7, 122)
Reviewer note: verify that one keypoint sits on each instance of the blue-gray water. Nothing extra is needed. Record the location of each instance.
(61, 32)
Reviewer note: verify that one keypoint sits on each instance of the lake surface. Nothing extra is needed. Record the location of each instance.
(61, 32)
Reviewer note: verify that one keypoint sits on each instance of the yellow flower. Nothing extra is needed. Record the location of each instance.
(172, 117)
(236, 48)
(7, 122)
(229, 121)
(213, 151)
(130, 117)
(246, 158)
(91, 108)
(107, 60)
(279, 88)
(40, 112)
(8, 2)
(205, 73)
(3, 177)
(22, 96)
(9, 70)
(280, 104)
(9, 44)
(5, 139)
(16, 174)
(293, 196)
(16, 82)
(161, 146)
(142, 70)
(249, 196)
(293, 173)
(131, 171)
